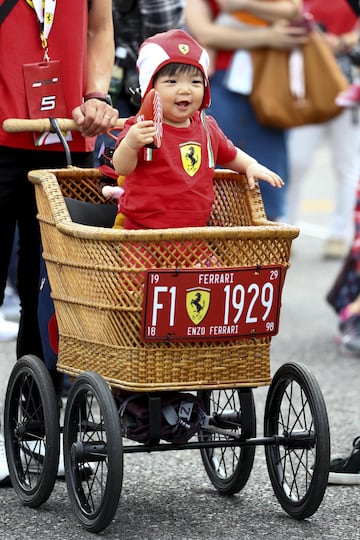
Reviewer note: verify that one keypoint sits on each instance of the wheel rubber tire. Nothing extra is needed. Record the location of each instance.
(92, 422)
(298, 472)
(31, 429)
(229, 468)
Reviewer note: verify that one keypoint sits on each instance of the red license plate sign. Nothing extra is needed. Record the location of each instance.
(209, 304)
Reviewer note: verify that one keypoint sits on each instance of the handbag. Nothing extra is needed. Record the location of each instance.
(271, 97)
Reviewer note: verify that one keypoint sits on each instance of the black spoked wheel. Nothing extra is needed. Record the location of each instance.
(232, 415)
(31, 429)
(299, 466)
(92, 442)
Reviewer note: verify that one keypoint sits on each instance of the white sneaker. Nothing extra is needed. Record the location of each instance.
(8, 329)
(4, 470)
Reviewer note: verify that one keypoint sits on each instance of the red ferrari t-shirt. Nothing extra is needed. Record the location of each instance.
(20, 44)
(175, 188)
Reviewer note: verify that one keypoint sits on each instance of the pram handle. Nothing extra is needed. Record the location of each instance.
(17, 125)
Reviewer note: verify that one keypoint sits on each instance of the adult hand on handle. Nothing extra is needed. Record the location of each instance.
(94, 117)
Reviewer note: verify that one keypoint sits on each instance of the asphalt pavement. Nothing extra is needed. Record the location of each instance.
(167, 496)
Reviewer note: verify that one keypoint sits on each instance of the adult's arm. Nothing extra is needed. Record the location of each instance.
(269, 11)
(94, 116)
(199, 20)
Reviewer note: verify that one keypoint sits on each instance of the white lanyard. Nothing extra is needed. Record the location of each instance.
(45, 12)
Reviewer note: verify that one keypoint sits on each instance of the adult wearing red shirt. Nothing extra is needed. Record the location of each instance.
(75, 43)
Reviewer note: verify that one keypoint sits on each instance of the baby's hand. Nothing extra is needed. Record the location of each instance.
(260, 172)
(140, 134)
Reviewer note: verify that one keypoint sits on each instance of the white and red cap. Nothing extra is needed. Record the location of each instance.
(174, 46)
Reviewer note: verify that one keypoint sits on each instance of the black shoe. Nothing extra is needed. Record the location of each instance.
(346, 470)
(349, 330)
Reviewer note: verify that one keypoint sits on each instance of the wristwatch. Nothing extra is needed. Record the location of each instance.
(101, 97)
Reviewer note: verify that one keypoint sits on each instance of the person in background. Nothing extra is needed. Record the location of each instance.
(263, 24)
(344, 297)
(173, 185)
(79, 69)
(135, 21)
(340, 31)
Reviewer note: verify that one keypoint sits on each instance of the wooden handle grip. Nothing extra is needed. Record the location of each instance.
(18, 125)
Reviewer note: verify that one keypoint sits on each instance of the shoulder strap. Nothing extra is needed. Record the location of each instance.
(211, 162)
(5, 9)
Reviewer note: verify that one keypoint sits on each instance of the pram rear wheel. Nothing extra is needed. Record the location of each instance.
(31, 429)
(298, 468)
(232, 414)
(92, 442)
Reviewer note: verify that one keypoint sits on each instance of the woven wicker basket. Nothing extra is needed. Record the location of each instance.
(97, 275)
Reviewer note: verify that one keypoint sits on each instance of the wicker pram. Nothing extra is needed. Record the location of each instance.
(97, 278)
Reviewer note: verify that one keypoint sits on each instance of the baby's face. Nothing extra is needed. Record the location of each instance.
(181, 95)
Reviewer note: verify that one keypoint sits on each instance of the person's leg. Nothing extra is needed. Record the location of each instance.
(345, 150)
(235, 116)
(29, 341)
(302, 144)
(8, 209)
(45, 307)
(20, 206)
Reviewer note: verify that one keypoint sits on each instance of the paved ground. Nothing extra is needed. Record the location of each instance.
(169, 496)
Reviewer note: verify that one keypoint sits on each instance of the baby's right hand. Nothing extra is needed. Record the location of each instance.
(140, 134)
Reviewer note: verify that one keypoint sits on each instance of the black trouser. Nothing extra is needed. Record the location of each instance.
(18, 206)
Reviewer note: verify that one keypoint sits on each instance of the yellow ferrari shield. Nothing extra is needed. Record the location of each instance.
(183, 48)
(191, 157)
(197, 304)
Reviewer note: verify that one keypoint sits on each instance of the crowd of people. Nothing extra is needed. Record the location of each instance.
(239, 141)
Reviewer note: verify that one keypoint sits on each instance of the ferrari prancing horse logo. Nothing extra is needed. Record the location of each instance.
(197, 304)
(190, 157)
(183, 48)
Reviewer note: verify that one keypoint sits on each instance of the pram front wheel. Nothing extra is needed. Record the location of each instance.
(231, 415)
(92, 442)
(298, 467)
(32, 433)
